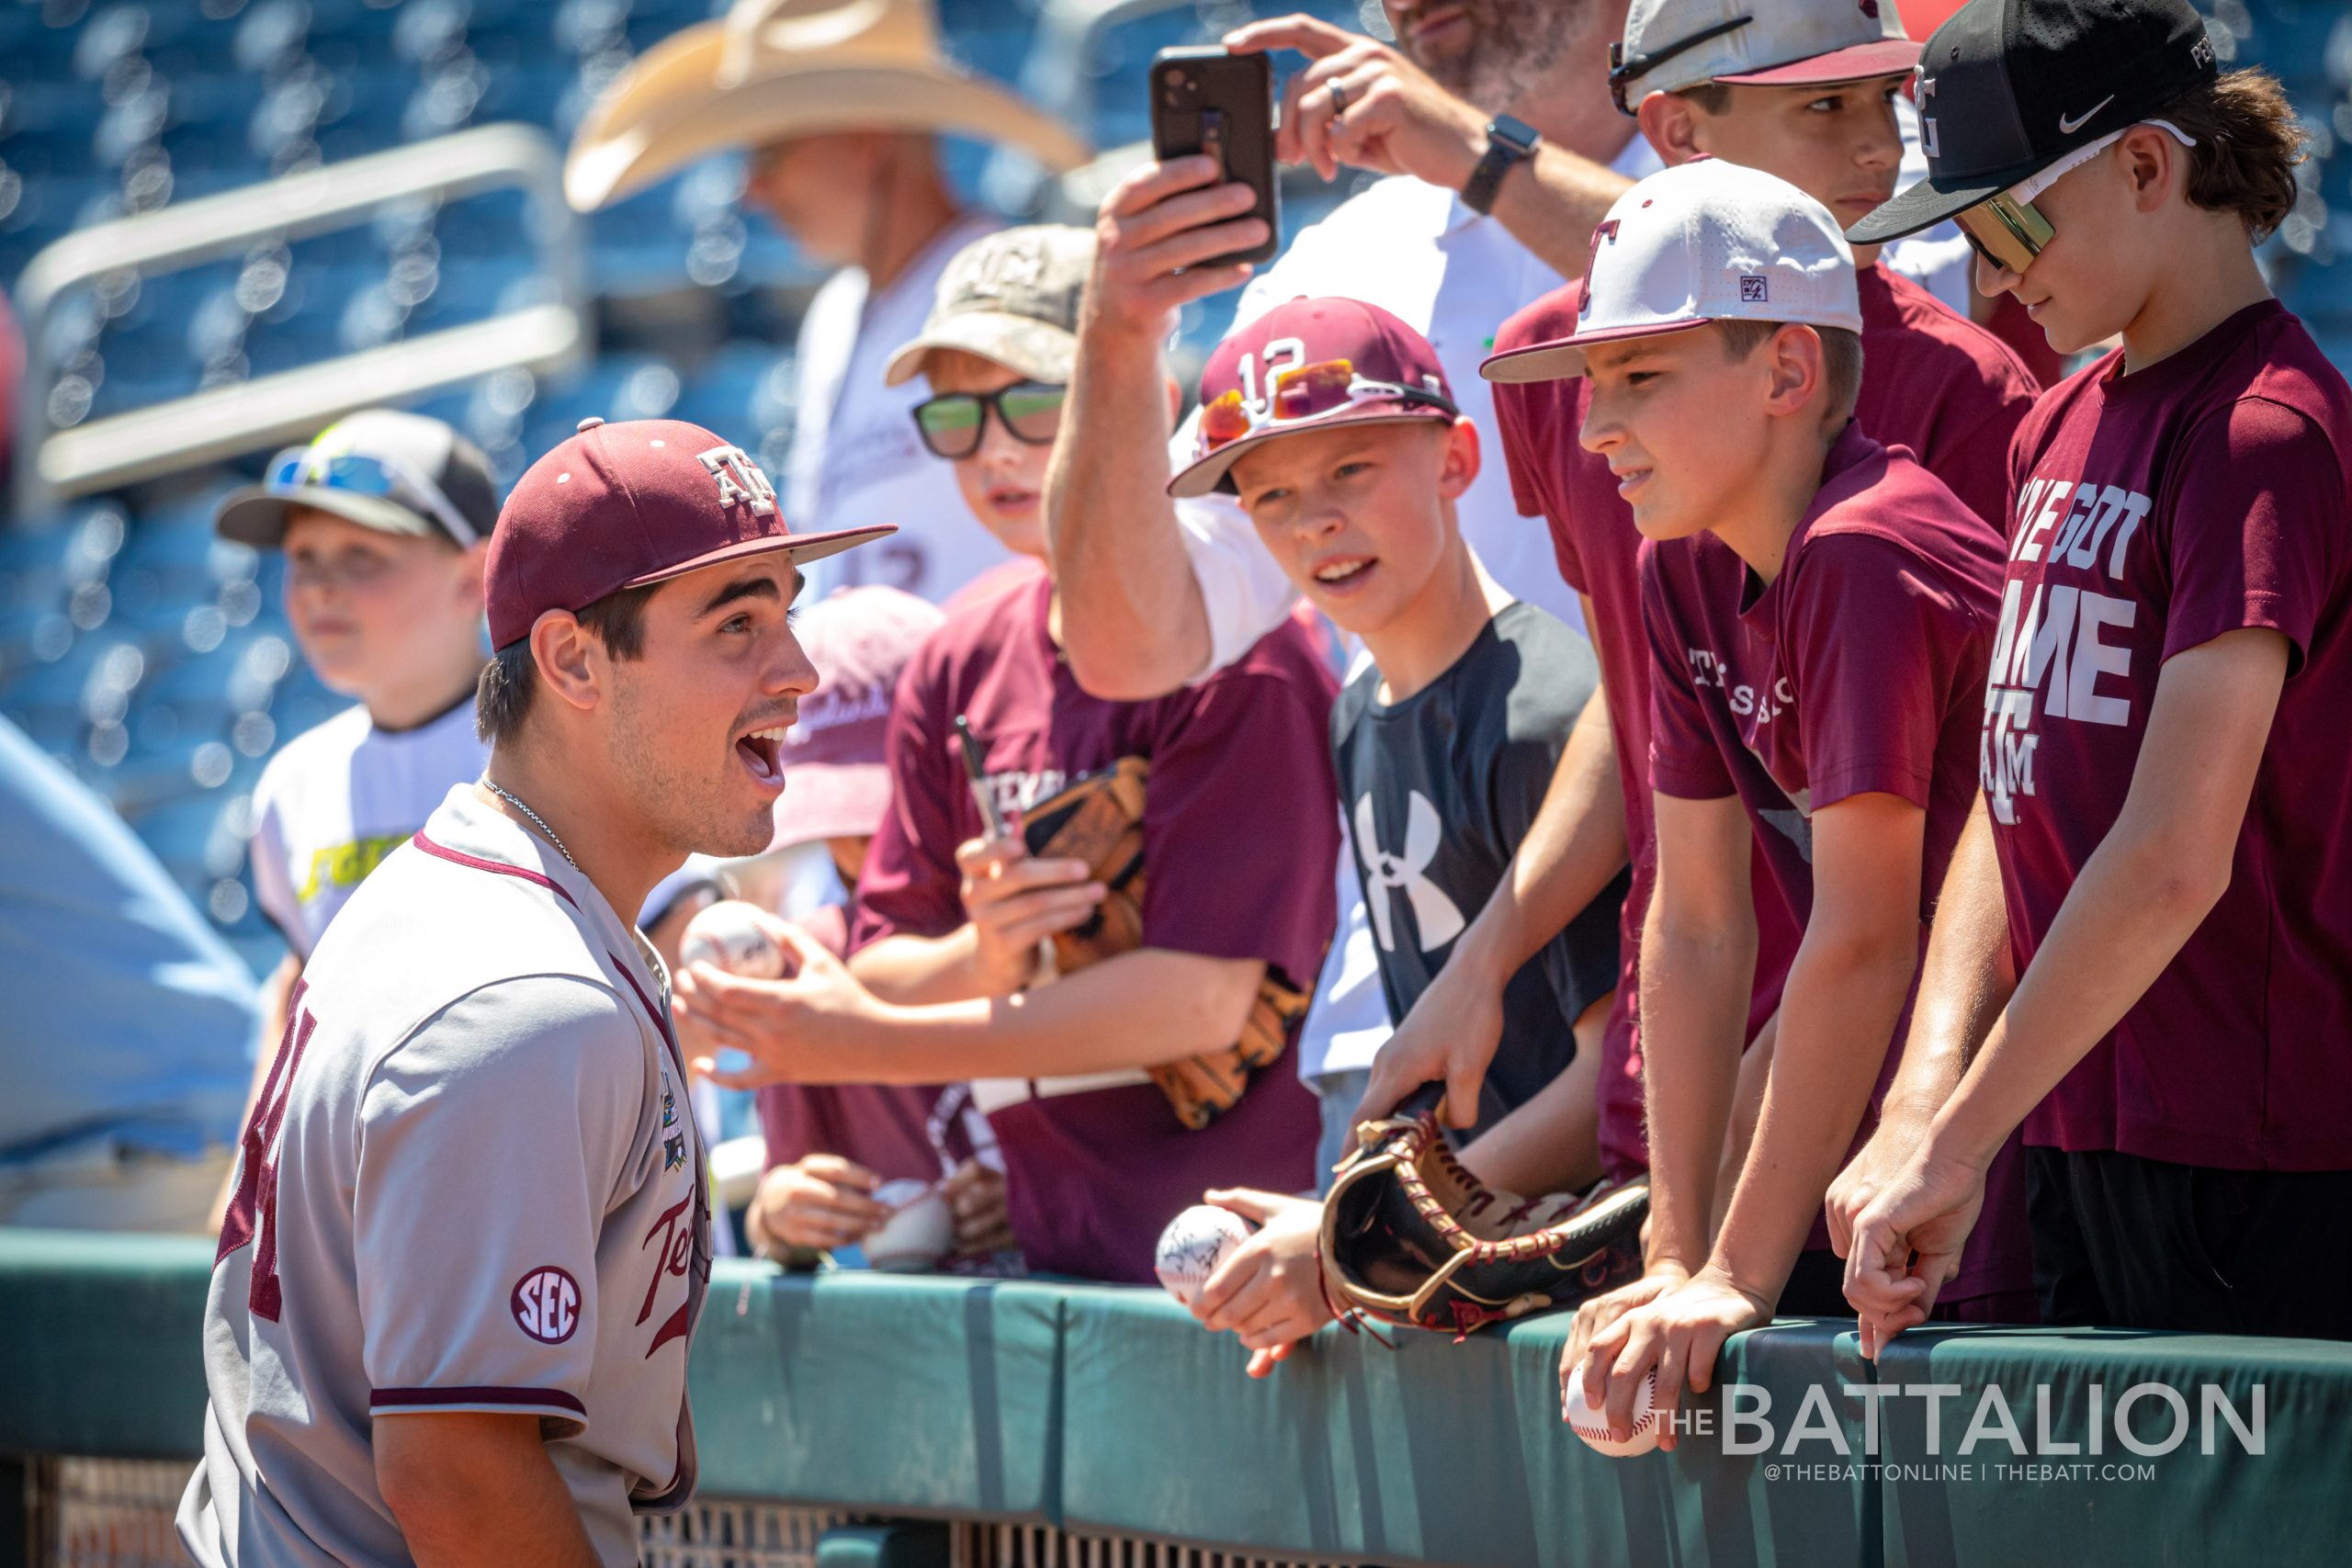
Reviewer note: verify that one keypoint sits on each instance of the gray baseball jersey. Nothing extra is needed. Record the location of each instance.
(471, 1183)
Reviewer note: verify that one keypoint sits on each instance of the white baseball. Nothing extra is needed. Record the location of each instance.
(728, 936)
(1592, 1425)
(1191, 1246)
(917, 1234)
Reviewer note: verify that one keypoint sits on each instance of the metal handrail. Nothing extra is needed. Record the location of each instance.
(229, 421)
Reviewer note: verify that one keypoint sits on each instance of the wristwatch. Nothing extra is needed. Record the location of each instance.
(1507, 141)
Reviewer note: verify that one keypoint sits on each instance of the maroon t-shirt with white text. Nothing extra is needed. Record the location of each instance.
(1932, 382)
(1238, 813)
(2155, 512)
(1857, 670)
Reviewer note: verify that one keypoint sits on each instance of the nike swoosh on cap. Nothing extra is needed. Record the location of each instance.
(2068, 127)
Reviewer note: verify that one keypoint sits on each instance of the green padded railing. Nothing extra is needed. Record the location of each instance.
(1108, 1410)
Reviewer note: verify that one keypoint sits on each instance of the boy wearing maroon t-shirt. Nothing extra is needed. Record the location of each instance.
(1819, 609)
(943, 983)
(2163, 836)
(1802, 89)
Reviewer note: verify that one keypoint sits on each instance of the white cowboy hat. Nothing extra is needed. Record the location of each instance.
(770, 69)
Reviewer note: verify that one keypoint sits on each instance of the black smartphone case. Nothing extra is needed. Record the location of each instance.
(1206, 100)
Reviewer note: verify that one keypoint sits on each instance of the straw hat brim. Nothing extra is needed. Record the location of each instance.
(669, 110)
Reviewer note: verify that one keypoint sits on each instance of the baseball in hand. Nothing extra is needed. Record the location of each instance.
(728, 936)
(1191, 1246)
(919, 1232)
(1592, 1425)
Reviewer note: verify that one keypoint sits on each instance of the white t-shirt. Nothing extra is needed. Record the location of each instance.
(338, 799)
(855, 458)
(470, 1184)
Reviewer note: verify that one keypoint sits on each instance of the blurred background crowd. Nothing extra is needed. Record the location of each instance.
(400, 229)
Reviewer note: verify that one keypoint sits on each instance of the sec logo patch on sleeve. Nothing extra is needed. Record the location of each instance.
(547, 1304)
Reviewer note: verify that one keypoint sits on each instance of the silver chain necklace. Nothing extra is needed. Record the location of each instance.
(540, 822)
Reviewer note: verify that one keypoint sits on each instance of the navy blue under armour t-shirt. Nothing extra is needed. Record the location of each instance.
(1438, 790)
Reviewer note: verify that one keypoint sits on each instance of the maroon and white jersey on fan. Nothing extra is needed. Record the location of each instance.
(471, 1183)
(2155, 512)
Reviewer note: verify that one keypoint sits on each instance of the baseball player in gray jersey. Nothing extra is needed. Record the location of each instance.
(468, 1239)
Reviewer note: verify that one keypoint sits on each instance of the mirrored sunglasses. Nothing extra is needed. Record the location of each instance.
(2006, 232)
(1303, 392)
(357, 473)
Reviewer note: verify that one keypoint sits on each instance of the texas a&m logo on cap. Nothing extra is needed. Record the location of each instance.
(739, 479)
(547, 1304)
(1603, 232)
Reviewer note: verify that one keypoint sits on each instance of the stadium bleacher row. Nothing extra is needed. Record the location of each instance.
(154, 659)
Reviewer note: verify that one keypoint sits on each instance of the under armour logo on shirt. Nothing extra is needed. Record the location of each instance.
(739, 479)
(1434, 914)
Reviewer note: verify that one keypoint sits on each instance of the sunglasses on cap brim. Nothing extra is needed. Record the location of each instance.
(1625, 69)
(951, 424)
(300, 469)
(1303, 392)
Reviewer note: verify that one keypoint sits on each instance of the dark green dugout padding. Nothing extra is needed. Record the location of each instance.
(929, 1395)
(1108, 1410)
(2290, 1502)
(1426, 1453)
(99, 1349)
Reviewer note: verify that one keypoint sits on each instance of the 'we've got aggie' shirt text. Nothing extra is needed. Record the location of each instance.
(2152, 513)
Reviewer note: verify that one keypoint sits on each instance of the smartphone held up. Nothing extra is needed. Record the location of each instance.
(1213, 102)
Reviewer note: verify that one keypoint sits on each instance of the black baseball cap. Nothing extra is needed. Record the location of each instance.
(382, 468)
(2007, 87)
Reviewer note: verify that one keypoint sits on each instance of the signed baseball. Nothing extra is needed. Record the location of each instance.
(1191, 1246)
(1592, 1425)
(917, 1234)
(728, 936)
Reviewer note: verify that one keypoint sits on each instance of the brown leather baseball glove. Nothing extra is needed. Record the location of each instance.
(1099, 819)
(1410, 1238)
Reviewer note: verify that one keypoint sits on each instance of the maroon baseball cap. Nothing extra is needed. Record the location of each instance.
(1282, 374)
(618, 506)
(861, 640)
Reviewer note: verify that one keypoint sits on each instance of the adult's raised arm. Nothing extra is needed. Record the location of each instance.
(1134, 624)
(1390, 117)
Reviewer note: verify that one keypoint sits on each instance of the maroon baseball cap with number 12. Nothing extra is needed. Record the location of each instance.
(623, 505)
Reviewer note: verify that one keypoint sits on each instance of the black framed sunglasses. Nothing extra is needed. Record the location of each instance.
(952, 422)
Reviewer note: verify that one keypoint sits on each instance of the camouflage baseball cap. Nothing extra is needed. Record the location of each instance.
(1011, 297)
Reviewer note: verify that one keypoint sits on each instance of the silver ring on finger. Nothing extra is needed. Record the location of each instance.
(1338, 99)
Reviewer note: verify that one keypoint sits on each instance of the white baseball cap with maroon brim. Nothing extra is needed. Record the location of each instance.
(1707, 241)
(1673, 44)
